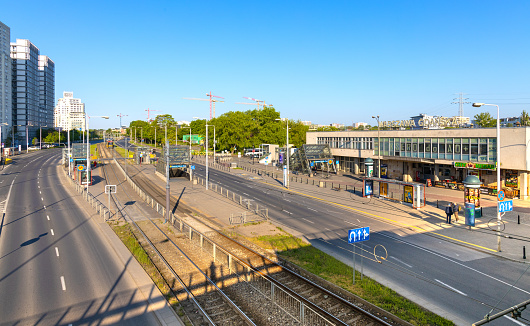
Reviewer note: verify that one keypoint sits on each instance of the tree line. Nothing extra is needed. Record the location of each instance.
(234, 130)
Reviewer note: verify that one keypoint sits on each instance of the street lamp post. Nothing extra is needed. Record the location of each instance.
(286, 151)
(378, 148)
(499, 188)
(87, 119)
(2, 143)
(214, 142)
(141, 136)
(40, 136)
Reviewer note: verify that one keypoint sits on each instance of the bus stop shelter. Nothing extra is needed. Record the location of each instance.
(410, 193)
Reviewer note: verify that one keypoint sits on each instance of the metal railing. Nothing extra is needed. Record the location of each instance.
(303, 312)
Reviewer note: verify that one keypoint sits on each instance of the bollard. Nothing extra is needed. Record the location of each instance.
(524, 252)
(437, 204)
(518, 219)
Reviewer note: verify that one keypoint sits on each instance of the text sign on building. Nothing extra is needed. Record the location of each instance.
(439, 122)
(505, 206)
(358, 235)
(479, 166)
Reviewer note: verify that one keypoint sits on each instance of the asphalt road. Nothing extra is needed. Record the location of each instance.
(456, 282)
(55, 267)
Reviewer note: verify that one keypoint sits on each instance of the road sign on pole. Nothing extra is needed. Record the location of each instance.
(505, 206)
(358, 235)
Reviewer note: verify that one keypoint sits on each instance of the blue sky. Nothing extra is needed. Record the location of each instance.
(326, 61)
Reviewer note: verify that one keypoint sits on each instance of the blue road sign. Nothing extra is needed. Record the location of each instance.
(177, 166)
(358, 235)
(193, 167)
(505, 206)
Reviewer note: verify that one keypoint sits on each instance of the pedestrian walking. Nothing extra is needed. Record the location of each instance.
(456, 208)
(448, 212)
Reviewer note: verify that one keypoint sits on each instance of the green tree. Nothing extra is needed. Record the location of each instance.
(525, 118)
(485, 120)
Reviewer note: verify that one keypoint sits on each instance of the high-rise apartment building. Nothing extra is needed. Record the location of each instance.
(69, 113)
(31, 79)
(5, 81)
(46, 91)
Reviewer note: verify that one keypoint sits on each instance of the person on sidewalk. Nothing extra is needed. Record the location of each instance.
(455, 208)
(448, 212)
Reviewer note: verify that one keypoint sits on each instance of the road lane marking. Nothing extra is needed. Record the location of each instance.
(42, 199)
(400, 261)
(452, 261)
(57, 251)
(305, 219)
(52, 231)
(419, 229)
(48, 217)
(314, 210)
(515, 321)
(63, 283)
(450, 287)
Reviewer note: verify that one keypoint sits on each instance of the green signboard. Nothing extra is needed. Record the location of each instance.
(477, 166)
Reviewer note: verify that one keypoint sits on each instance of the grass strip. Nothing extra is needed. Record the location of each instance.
(333, 270)
(124, 232)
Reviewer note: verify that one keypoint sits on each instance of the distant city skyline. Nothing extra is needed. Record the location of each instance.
(328, 63)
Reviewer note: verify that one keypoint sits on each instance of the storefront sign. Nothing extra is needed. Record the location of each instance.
(479, 166)
(435, 122)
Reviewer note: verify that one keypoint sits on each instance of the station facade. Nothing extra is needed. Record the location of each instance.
(435, 155)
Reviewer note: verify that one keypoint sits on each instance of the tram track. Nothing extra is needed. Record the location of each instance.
(248, 270)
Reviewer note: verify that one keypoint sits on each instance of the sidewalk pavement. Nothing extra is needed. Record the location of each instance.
(515, 226)
(157, 303)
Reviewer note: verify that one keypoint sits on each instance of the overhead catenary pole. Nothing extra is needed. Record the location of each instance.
(499, 188)
(121, 115)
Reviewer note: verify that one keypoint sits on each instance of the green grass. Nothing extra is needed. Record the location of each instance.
(319, 263)
(126, 235)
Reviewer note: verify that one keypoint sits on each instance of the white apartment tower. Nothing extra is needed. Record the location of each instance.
(69, 113)
(5, 81)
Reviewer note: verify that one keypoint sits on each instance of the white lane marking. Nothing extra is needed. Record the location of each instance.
(63, 283)
(40, 192)
(400, 261)
(43, 200)
(57, 251)
(288, 212)
(48, 217)
(314, 210)
(450, 287)
(249, 195)
(515, 321)
(305, 219)
(451, 260)
(52, 231)
(8, 194)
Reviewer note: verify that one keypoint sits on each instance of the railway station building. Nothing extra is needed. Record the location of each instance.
(437, 156)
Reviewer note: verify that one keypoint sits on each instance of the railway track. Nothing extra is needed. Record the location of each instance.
(266, 292)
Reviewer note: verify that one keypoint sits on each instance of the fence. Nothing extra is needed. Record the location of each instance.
(246, 203)
(301, 311)
(101, 209)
